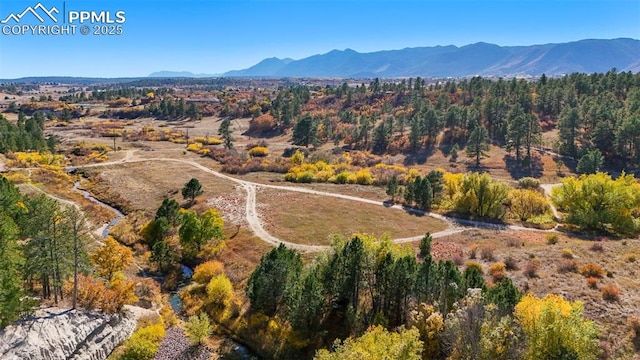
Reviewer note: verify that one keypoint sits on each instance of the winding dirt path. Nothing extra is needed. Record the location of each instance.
(253, 219)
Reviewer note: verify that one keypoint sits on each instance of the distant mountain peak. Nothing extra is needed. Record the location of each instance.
(481, 58)
(179, 74)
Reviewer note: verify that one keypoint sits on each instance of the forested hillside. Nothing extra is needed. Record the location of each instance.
(597, 114)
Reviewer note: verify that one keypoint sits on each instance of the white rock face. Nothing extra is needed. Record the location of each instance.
(65, 334)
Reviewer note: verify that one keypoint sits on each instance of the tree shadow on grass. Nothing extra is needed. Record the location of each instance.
(418, 157)
(520, 169)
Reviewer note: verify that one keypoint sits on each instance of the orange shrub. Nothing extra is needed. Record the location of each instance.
(95, 294)
(592, 270)
(498, 271)
(592, 282)
(634, 324)
(262, 124)
(610, 293)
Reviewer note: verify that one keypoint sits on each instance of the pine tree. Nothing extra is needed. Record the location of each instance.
(225, 132)
(478, 144)
(192, 189)
(392, 188)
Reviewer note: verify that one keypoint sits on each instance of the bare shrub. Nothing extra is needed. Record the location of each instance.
(457, 259)
(473, 251)
(597, 247)
(514, 243)
(634, 324)
(566, 266)
(531, 269)
(529, 183)
(511, 263)
(486, 253)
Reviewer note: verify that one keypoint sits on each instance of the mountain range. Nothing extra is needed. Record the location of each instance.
(585, 56)
(180, 74)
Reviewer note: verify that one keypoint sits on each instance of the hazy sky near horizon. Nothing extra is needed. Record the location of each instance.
(214, 36)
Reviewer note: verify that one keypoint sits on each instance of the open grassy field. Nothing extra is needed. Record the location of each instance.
(145, 184)
(311, 219)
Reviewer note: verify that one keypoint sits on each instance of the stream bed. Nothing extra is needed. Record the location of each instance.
(237, 351)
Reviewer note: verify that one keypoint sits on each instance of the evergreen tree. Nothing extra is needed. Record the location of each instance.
(392, 188)
(273, 280)
(425, 245)
(304, 133)
(191, 190)
(478, 144)
(590, 163)
(11, 260)
(225, 132)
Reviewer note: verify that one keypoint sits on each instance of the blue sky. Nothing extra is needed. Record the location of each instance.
(213, 36)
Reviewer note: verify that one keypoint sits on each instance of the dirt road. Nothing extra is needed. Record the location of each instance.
(253, 219)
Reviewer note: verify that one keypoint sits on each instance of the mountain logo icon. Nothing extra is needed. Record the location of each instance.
(34, 11)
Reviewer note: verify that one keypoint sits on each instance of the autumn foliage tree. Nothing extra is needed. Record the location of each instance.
(262, 124)
(479, 196)
(199, 328)
(112, 258)
(556, 329)
(598, 202)
(377, 343)
(195, 231)
(524, 204)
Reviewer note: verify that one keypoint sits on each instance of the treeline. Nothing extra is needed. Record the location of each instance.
(27, 134)
(166, 109)
(592, 112)
(100, 94)
(41, 246)
(44, 258)
(362, 282)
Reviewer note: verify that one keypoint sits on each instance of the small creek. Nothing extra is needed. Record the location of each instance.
(238, 351)
(114, 221)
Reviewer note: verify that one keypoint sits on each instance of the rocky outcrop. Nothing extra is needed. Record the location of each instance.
(55, 333)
